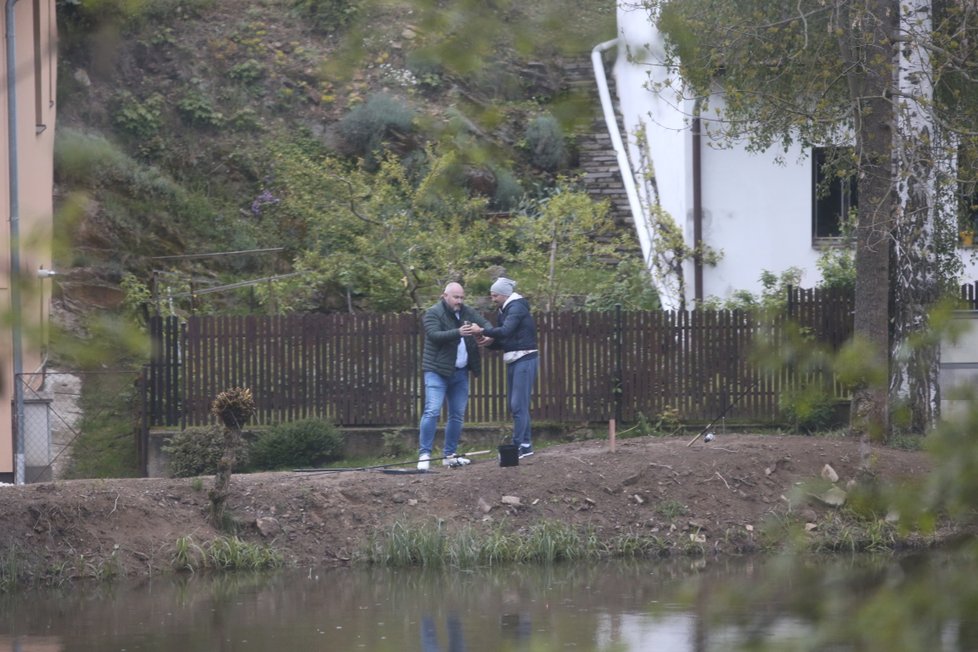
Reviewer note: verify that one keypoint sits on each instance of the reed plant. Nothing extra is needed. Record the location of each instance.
(223, 553)
(432, 544)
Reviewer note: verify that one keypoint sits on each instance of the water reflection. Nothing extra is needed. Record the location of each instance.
(680, 606)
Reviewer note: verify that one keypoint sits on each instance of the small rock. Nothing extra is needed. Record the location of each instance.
(828, 473)
(638, 499)
(511, 500)
(81, 76)
(484, 506)
(809, 527)
(268, 526)
(412, 502)
(630, 480)
(834, 497)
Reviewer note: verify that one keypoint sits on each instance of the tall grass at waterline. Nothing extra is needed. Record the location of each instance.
(223, 553)
(433, 545)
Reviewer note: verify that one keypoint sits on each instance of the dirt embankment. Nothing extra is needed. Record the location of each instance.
(721, 492)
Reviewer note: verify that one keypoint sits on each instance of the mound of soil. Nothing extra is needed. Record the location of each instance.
(668, 487)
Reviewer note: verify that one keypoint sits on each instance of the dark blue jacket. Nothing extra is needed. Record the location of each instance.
(516, 330)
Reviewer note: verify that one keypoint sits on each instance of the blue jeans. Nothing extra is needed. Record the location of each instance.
(437, 389)
(520, 377)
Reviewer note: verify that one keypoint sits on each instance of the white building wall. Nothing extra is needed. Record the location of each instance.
(757, 211)
(757, 208)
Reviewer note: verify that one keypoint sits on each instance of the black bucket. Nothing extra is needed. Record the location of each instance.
(509, 455)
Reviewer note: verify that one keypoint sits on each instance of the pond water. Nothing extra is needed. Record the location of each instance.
(674, 606)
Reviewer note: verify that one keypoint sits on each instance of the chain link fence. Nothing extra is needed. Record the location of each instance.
(60, 406)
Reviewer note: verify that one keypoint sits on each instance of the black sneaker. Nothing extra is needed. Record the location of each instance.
(525, 450)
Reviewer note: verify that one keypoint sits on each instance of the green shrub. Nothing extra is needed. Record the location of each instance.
(196, 451)
(305, 443)
(328, 15)
(196, 110)
(426, 68)
(247, 71)
(508, 194)
(808, 409)
(140, 120)
(545, 144)
(364, 130)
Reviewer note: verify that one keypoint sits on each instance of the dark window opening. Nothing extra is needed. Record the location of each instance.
(834, 193)
(967, 190)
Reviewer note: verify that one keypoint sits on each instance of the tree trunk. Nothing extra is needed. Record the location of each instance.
(222, 479)
(869, 49)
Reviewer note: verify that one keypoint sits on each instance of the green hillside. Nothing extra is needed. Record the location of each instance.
(326, 154)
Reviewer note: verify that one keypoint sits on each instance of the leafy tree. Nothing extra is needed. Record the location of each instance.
(565, 237)
(386, 241)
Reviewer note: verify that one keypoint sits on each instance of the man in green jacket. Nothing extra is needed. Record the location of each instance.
(450, 354)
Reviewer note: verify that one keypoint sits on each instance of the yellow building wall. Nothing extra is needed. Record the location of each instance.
(35, 37)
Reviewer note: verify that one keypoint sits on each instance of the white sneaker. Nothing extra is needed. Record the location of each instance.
(455, 460)
(423, 461)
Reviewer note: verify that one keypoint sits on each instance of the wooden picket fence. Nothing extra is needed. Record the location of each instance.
(364, 369)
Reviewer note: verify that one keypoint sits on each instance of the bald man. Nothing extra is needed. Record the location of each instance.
(450, 355)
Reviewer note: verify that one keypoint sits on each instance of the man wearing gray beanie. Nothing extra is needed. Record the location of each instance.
(516, 335)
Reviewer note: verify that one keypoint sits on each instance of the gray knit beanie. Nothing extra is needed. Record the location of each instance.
(503, 286)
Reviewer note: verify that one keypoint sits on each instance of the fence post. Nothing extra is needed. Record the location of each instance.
(617, 344)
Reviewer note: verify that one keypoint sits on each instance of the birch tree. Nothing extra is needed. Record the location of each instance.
(882, 76)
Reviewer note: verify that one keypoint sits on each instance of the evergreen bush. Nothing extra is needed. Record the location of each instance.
(545, 144)
(304, 443)
(508, 194)
(328, 15)
(364, 130)
(196, 451)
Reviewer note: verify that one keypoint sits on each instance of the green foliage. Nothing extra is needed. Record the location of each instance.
(671, 509)
(395, 445)
(138, 119)
(566, 239)
(808, 409)
(545, 144)
(508, 194)
(365, 130)
(628, 286)
(838, 267)
(329, 15)
(247, 71)
(305, 443)
(196, 451)
(198, 111)
(774, 293)
(223, 553)
(387, 241)
(434, 545)
(106, 447)
(136, 299)
(427, 68)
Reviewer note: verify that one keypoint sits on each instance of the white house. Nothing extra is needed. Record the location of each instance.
(758, 209)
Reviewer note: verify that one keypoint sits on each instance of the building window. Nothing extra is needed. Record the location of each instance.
(967, 192)
(833, 192)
